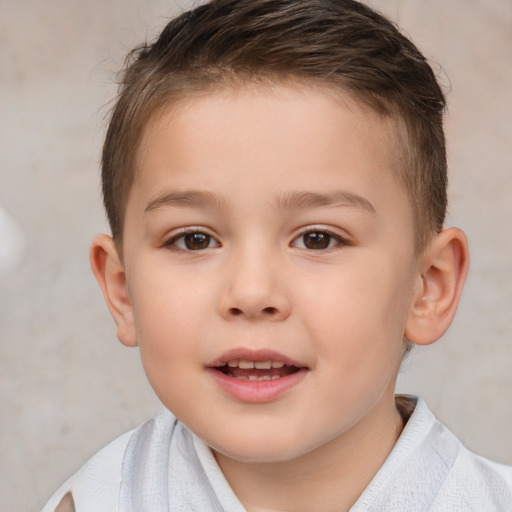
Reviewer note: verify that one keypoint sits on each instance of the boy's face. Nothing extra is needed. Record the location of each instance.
(268, 225)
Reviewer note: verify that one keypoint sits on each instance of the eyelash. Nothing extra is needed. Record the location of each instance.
(339, 240)
(171, 242)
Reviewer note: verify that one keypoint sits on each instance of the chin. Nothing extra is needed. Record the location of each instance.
(259, 449)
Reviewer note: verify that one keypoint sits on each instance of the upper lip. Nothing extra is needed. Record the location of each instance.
(253, 355)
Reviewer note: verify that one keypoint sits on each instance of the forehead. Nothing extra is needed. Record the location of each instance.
(301, 137)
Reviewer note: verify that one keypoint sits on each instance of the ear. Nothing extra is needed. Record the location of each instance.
(445, 265)
(110, 274)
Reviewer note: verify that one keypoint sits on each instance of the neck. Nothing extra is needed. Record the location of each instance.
(331, 478)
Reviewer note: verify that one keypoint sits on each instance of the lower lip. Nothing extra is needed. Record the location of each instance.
(257, 391)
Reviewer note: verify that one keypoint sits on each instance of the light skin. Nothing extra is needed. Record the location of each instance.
(268, 224)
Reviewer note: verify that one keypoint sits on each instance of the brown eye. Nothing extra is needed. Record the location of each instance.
(318, 240)
(193, 241)
(196, 241)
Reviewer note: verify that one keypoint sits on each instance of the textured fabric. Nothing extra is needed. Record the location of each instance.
(430, 469)
(163, 467)
(95, 487)
(145, 467)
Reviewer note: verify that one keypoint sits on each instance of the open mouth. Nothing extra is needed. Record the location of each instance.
(256, 376)
(243, 369)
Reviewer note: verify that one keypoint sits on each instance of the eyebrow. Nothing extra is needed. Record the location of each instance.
(287, 201)
(303, 200)
(187, 199)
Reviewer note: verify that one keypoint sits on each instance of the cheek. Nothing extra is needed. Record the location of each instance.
(169, 312)
(360, 312)
(357, 324)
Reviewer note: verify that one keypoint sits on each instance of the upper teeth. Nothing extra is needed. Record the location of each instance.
(261, 365)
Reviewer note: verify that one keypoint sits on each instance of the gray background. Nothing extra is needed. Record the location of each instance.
(67, 386)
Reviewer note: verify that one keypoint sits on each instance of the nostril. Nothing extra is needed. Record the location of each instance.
(270, 311)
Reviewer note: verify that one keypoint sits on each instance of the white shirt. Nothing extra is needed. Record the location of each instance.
(163, 467)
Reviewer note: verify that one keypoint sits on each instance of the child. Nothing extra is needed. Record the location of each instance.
(274, 175)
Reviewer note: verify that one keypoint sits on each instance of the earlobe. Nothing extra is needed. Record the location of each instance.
(110, 274)
(439, 287)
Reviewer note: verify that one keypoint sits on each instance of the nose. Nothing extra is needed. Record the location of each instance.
(254, 289)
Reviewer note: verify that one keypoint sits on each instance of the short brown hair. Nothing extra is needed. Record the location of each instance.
(340, 43)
